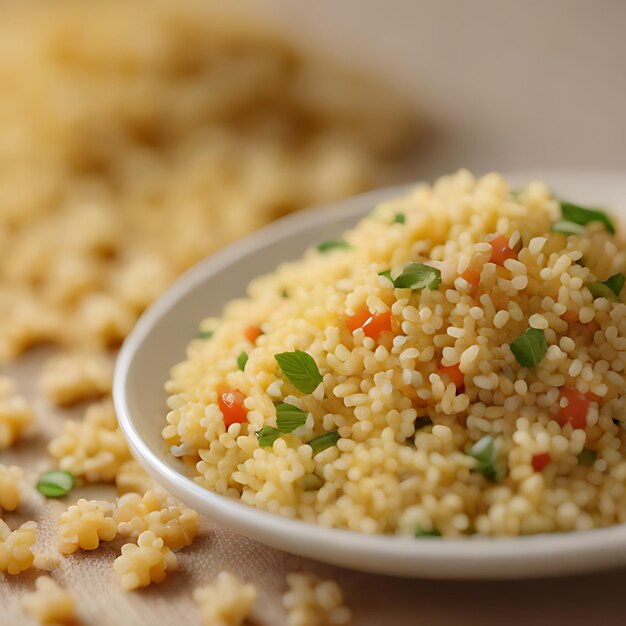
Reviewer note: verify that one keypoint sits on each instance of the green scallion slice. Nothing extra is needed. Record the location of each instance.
(55, 483)
(421, 532)
(321, 443)
(399, 218)
(300, 369)
(333, 244)
(289, 417)
(205, 334)
(587, 457)
(485, 451)
(418, 276)
(267, 436)
(583, 216)
(616, 283)
(568, 228)
(242, 359)
(530, 347)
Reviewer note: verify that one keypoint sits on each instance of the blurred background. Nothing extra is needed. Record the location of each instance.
(137, 136)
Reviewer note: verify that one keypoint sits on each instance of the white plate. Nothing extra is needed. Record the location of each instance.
(159, 340)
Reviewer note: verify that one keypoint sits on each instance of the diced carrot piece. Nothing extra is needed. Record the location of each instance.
(473, 278)
(373, 324)
(231, 405)
(500, 250)
(376, 324)
(539, 461)
(358, 319)
(592, 397)
(454, 375)
(252, 333)
(570, 317)
(575, 413)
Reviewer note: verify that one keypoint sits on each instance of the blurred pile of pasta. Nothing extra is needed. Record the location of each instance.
(137, 137)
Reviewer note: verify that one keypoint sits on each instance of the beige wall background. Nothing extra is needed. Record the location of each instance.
(502, 84)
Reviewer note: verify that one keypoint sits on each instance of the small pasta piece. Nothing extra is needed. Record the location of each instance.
(85, 524)
(144, 563)
(314, 602)
(158, 512)
(132, 478)
(93, 449)
(74, 377)
(50, 603)
(226, 601)
(10, 479)
(16, 547)
(15, 414)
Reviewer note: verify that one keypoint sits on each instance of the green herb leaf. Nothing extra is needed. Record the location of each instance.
(418, 276)
(485, 451)
(581, 215)
(300, 369)
(420, 532)
(616, 283)
(516, 193)
(399, 218)
(205, 334)
(242, 359)
(333, 244)
(530, 347)
(568, 228)
(601, 290)
(609, 289)
(267, 436)
(587, 457)
(55, 483)
(289, 417)
(386, 274)
(321, 443)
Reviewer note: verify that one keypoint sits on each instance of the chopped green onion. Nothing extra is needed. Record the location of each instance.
(289, 417)
(267, 436)
(600, 290)
(530, 347)
(423, 422)
(568, 228)
(205, 334)
(609, 289)
(485, 451)
(321, 443)
(421, 532)
(587, 457)
(399, 218)
(581, 215)
(333, 244)
(300, 369)
(284, 293)
(242, 359)
(418, 276)
(55, 483)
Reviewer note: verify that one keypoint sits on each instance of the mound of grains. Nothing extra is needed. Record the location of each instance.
(226, 601)
(15, 414)
(49, 603)
(10, 486)
(453, 365)
(85, 524)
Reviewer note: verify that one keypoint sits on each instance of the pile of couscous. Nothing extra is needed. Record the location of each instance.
(452, 365)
